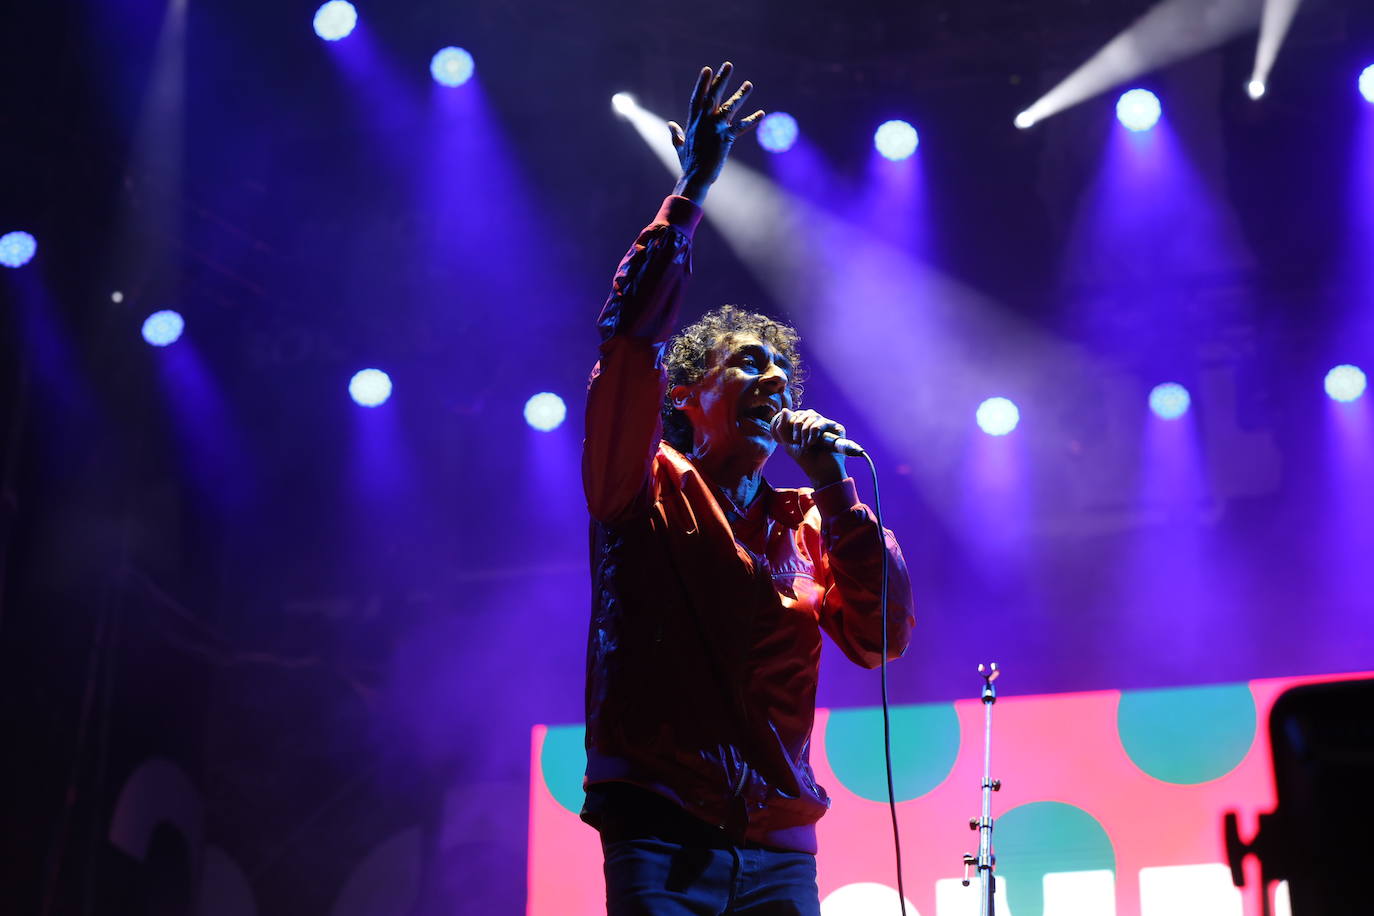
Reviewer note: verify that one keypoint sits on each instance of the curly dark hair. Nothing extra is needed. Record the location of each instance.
(690, 349)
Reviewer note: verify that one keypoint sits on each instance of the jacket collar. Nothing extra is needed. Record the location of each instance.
(782, 504)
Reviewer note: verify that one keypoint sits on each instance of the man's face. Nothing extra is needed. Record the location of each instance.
(745, 384)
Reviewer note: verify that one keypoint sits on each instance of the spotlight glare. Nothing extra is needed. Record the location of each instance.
(778, 132)
(1345, 383)
(162, 329)
(451, 66)
(896, 140)
(1025, 120)
(623, 103)
(1255, 88)
(1138, 110)
(335, 20)
(1170, 400)
(1367, 84)
(545, 411)
(17, 248)
(998, 416)
(116, 297)
(369, 387)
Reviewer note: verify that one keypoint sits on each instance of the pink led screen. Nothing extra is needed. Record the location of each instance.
(1112, 801)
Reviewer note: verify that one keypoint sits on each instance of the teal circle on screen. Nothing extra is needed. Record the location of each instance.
(925, 744)
(563, 760)
(1036, 839)
(1187, 735)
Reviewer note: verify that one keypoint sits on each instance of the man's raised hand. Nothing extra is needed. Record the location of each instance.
(704, 144)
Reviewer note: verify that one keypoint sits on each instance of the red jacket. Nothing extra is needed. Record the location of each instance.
(705, 639)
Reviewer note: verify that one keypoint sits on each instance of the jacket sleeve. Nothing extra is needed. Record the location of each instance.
(625, 394)
(851, 569)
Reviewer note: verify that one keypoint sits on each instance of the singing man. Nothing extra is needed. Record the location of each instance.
(710, 588)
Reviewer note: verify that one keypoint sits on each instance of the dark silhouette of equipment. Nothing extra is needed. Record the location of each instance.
(1320, 838)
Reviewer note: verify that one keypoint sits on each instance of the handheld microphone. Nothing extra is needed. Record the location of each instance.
(828, 440)
(842, 445)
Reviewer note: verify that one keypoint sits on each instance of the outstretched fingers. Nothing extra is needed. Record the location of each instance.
(746, 123)
(700, 94)
(718, 84)
(733, 103)
(704, 139)
(706, 100)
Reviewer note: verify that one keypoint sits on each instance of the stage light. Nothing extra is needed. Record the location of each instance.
(1345, 383)
(162, 329)
(1024, 120)
(17, 248)
(1170, 400)
(623, 103)
(896, 140)
(545, 411)
(116, 297)
(370, 387)
(1138, 110)
(335, 20)
(1275, 21)
(1367, 84)
(778, 132)
(997, 416)
(451, 66)
(1171, 30)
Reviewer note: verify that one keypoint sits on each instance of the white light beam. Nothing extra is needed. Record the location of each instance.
(1169, 32)
(1278, 17)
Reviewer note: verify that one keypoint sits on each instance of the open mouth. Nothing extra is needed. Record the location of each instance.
(761, 414)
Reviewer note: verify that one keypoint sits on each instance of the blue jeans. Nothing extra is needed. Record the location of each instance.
(661, 861)
(652, 877)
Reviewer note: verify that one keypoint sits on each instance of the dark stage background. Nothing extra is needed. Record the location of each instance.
(253, 631)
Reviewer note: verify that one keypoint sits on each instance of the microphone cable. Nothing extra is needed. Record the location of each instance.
(882, 669)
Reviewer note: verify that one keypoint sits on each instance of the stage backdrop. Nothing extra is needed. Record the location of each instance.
(1112, 803)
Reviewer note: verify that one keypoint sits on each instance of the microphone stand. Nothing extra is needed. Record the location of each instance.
(985, 860)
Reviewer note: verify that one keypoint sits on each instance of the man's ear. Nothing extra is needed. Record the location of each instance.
(681, 396)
